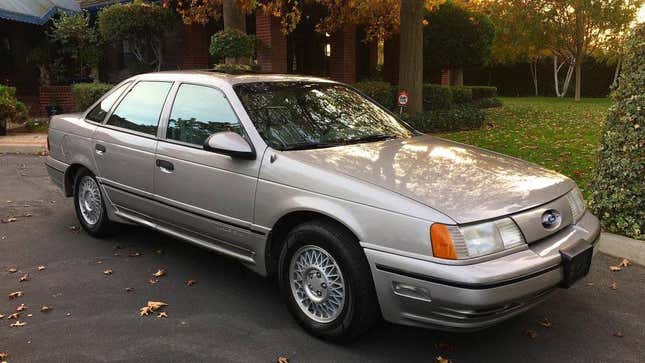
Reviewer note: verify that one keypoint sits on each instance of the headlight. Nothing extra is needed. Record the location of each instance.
(576, 203)
(453, 242)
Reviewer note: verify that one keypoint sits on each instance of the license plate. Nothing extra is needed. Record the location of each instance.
(575, 263)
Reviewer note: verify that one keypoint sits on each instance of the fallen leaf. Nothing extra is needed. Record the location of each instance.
(99, 262)
(530, 333)
(41, 267)
(613, 286)
(8, 220)
(73, 228)
(441, 359)
(15, 294)
(144, 311)
(615, 268)
(3, 356)
(191, 282)
(1, 316)
(159, 252)
(108, 272)
(68, 314)
(159, 273)
(27, 214)
(30, 315)
(546, 323)
(21, 307)
(46, 308)
(129, 289)
(283, 360)
(590, 284)
(17, 324)
(156, 305)
(152, 281)
(624, 263)
(618, 334)
(162, 315)
(24, 277)
(12, 270)
(134, 254)
(13, 316)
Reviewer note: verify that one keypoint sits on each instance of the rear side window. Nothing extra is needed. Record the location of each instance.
(141, 108)
(101, 110)
(198, 112)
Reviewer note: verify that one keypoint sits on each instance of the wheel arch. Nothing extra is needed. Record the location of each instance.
(70, 177)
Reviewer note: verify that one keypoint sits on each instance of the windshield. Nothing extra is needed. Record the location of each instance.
(304, 115)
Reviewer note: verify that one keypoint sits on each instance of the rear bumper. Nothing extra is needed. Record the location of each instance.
(470, 297)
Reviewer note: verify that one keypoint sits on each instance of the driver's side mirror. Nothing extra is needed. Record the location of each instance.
(229, 143)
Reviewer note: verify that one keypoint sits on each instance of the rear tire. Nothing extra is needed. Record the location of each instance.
(326, 281)
(90, 206)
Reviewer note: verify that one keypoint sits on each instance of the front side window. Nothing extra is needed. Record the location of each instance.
(198, 112)
(101, 110)
(141, 108)
(305, 115)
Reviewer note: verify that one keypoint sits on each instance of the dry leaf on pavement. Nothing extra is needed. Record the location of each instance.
(615, 268)
(12, 270)
(129, 289)
(613, 286)
(13, 316)
(24, 277)
(618, 334)
(441, 359)
(108, 272)
(46, 308)
(17, 324)
(530, 333)
(191, 282)
(21, 307)
(162, 314)
(27, 214)
(74, 228)
(15, 294)
(134, 254)
(144, 311)
(3, 356)
(546, 323)
(41, 267)
(283, 360)
(153, 281)
(159, 273)
(1, 316)
(8, 220)
(152, 306)
(624, 263)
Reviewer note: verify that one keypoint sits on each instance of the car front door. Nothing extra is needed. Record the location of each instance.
(203, 192)
(124, 146)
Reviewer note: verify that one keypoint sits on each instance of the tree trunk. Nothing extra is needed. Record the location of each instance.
(578, 79)
(234, 18)
(411, 53)
(534, 77)
(619, 63)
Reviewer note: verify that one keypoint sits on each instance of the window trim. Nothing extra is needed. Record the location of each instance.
(166, 119)
(129, 83)
(118, 103)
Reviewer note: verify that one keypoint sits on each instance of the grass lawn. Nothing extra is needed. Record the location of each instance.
(560, 134)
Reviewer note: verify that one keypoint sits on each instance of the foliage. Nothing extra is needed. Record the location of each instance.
(235, 68)
(381, 92)
(456, 37)
(436, 97)
(618, 192)
(10, 108)
(461, 95)
(488, 102)
(462, 117)
(559, 134)
(77, 42)
(232, 43)
(480, 92)
(86, 94)
(142, 25)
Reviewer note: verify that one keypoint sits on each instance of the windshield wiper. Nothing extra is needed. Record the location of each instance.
(371, 138)
(308, 145)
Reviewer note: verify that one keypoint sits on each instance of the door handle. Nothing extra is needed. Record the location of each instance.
(100, 149)
(165, 166)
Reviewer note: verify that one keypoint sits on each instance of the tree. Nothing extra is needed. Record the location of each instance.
(142, 25)
(455, 37)
(411, 53)
(77, 42)
(618, 187)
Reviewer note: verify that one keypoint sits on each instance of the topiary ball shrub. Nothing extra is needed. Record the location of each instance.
(381, 92)
(618, 186)
(232, 43)
(86, 94)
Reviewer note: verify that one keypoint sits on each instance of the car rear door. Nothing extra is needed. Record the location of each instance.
(205, 192)
(124, 146)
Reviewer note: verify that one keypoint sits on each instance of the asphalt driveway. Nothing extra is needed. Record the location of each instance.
(231, 314)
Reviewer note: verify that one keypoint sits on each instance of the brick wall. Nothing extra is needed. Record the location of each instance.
(195, 42)
(342, 63)
(56, 95)
(272, 49)
(445, 77)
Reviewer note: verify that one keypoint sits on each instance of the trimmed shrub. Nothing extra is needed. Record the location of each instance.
(436, 97)
(458, 118)
(481, 92)
(232, 43)
(461, 95)
(86, 94)
(381, 92)
(487, 103)
(10, 108)
(618, 187)
(236, 68)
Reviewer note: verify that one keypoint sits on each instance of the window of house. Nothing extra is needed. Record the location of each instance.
(141, 108)
(101, 110)
(198, 112)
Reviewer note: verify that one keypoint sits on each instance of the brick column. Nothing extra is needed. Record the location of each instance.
(342, 63)
(272, 49)
(445, 77)
(195, 42)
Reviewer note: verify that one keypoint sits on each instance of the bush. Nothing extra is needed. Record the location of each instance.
(487, 103)
(461, 95)
(232, 43)
(381, 92)
(436, 97)
(10, 108)
(236, 68)
(618, 187)
(86, 94)
(459, 118)
(481, 92)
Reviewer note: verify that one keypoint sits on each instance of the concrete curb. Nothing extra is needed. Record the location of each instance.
(34, 144)
(624, 247)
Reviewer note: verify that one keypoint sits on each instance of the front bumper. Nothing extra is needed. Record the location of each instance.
(417, 292)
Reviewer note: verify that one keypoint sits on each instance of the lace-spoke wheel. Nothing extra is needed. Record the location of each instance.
(317, 284)
(90, 205)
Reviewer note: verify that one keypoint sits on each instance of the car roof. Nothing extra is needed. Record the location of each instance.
(232, 79)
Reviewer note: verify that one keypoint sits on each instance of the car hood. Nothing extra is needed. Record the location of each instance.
(464, 182)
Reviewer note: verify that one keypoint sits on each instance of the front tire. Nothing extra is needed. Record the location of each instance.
(326, 281)
(90, 206)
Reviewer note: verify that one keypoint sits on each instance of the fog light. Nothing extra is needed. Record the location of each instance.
(411, 291)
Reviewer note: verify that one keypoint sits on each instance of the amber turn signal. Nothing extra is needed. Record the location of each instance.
(442, 246)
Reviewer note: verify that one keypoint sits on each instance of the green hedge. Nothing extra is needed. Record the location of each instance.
(481, 92)
(86, 94)
(381, 92)
(461, 95)
(10, 108)
(487, 103)
(436, 97)
(462, 117)
(618, 187)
